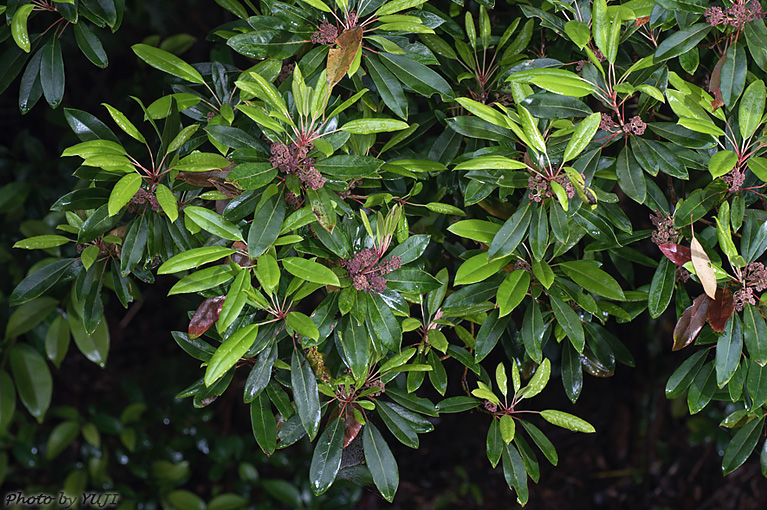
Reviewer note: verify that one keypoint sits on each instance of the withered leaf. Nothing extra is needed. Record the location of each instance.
(206, 315)
(715, 84)
(691, 322)
(203, 179)
(351, 426)
(720, 310)
(340, 59)
(703, 269)
(676, 253)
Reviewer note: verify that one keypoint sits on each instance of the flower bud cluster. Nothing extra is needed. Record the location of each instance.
(754, 279)
(664, 228)
(735, 179)
(325, 34)
(292, 159)
(142, 197)
(367, 273)
(539, 187)
(635, 126)
(737, 15)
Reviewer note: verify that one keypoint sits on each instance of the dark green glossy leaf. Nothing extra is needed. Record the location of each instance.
(52, 75)
(380, 462)
(741, 445)
(326, 460)
(661, 288)
(263, 423)
(40, 281)
(305, 393)
(491, 330)
(33, 379)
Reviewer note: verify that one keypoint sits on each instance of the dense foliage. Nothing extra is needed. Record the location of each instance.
(396, 187)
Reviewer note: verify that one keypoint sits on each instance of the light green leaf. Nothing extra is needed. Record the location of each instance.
(310, 271)
(567, 421)
(229, 353)
(123, 191)
(167, 62)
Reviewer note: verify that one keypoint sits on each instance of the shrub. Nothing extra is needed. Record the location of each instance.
(392, 187)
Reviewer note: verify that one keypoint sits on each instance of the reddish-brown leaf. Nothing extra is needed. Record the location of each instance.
(241, 257)
(340, 59)
(203, 179)
(676, 253)
(205, 316)
(721, 309)
(691, 322)
(351, 426)
(715, 84)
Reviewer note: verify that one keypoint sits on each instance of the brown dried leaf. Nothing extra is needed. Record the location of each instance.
(703, 269)
(676, 253)
(721, 309)
(691, 322)
(203, 179)
(340, 59)
(714, 85)
(206, 315)
(351, 426)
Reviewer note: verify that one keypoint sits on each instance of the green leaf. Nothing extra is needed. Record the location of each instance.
(60, 438)
(19, 27)
(477, 269)
(167, 201)
(593, 279)
(7, 404)
(476, 230)
(266, 226)
(681, 41)
(511, 233)
(186, 499)
(512, 291)
(41, 242)
(506, 424)
(578, 32)
(412, 280)
(741, 445)
(194, 258)
(229, 353)
(263, 423)
(326, 459)
(33, 379)
(530, 127)
(203, 279)
(514, 472)
(630, 176)
(310, 271)
(29, 315)
(569, 321)
(751, 108)
(303, 325)
(52, 76)
(383, 323)
(661, 288)
(542, 442)
(123, 191)
(37, 283)
(491, 330)
(123, 123)
(388, 86)
(397, 6)
(494, 443)
(213, 222)
(728, 350)
(582, 136)
(235, 300)
(90, 45)
(539, 380)
(733, 74)
(755, 334)
(380, 462)
(398, 426)
(305, 393)
(567, 421)
(94, 345)
(370, 126)
(417, 76)
(167, 62)
(721, 163)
